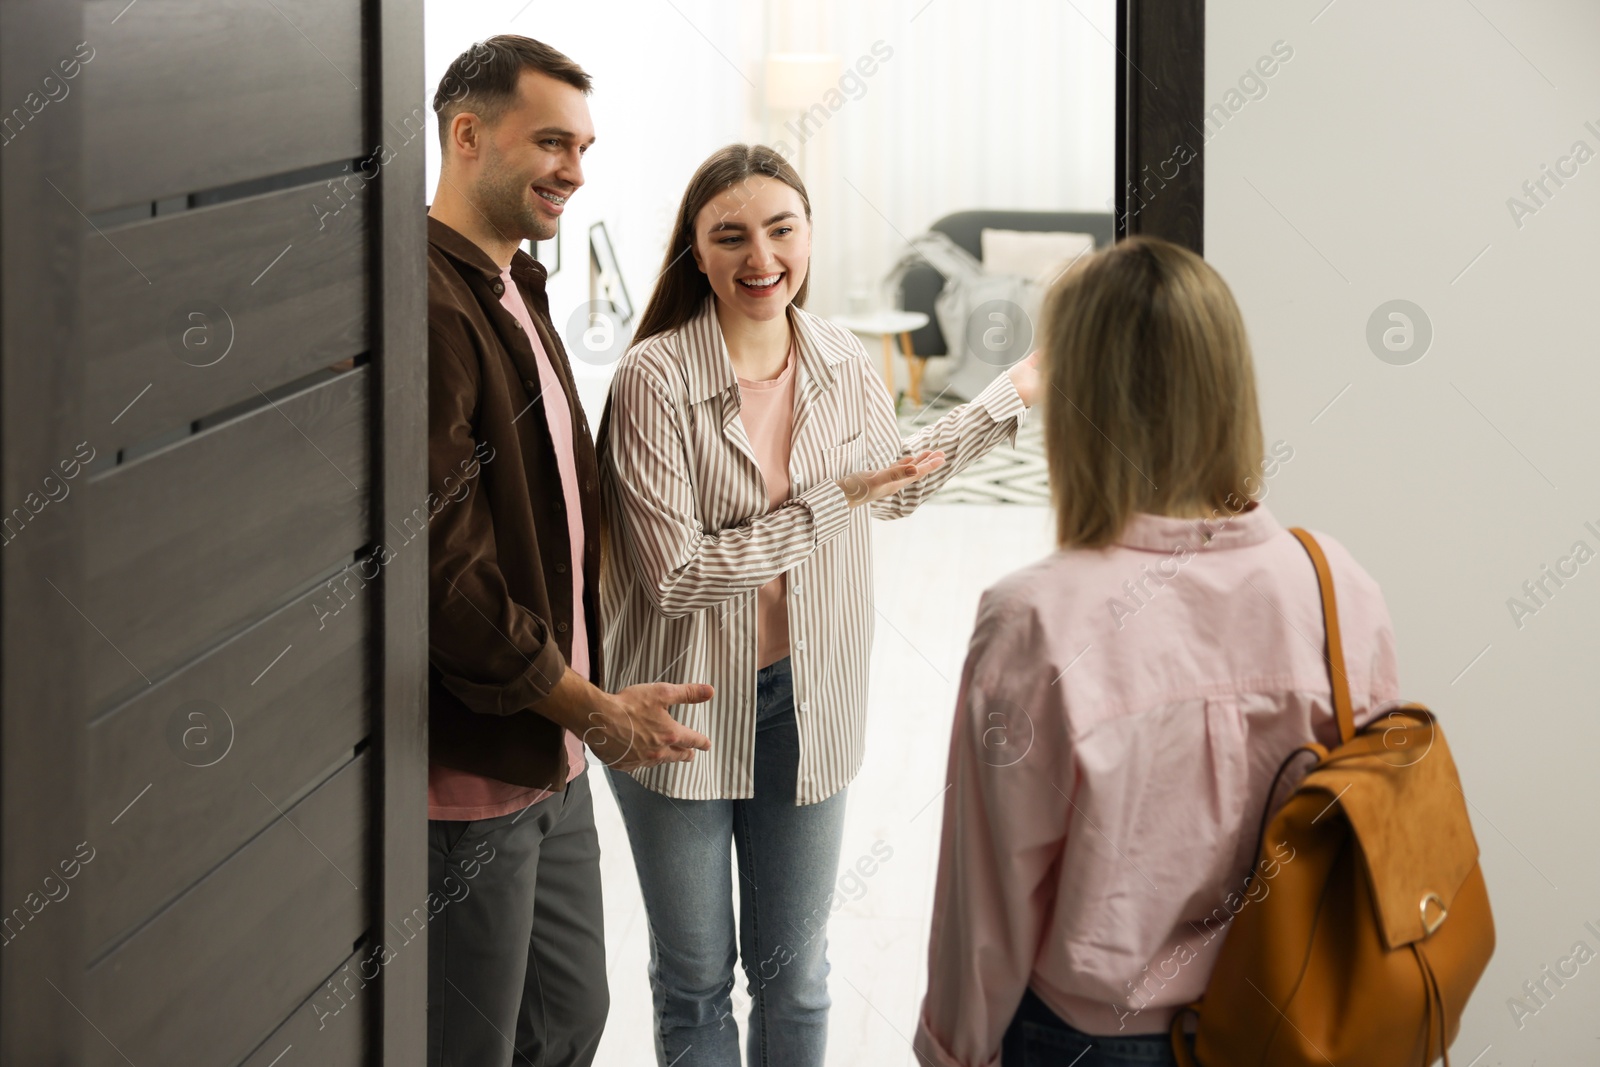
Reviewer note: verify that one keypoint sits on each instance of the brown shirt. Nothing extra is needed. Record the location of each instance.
(500, 605)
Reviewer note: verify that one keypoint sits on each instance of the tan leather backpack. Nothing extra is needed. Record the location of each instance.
(1371, 936)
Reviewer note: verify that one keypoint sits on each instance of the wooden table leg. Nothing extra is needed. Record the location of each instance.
(913, 369)
(888, 365)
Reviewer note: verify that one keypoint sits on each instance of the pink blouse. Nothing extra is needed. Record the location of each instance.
(1120, 717)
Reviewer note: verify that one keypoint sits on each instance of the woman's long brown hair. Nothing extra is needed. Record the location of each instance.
(682, 287)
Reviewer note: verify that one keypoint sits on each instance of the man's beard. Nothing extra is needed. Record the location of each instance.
(502, 196)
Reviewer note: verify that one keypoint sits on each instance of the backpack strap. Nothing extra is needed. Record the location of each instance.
(1434, 995)
(1344, 713)
(1180, 1045)
(1333, 653)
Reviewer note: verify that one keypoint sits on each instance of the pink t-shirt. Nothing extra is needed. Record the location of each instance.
(767, 411)
(460, 795)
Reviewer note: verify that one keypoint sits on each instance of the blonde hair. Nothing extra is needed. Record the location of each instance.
(1149, 396)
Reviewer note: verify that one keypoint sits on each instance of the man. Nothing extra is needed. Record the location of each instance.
(516, 958)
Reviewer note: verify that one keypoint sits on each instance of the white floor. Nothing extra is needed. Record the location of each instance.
(930, 570)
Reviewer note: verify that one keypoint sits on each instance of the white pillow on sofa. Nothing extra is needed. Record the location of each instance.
(1038, 257)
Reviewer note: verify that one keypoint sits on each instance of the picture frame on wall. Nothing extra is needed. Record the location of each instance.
(547, 252)
(605, 274)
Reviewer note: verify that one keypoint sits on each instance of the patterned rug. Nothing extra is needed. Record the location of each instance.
(1005, 476)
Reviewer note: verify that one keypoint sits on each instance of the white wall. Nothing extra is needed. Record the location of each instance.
(1008, 104)
(1378, 166)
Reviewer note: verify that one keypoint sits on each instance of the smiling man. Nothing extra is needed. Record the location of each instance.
(517, 967)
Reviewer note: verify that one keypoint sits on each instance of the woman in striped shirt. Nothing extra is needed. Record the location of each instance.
(744, 444)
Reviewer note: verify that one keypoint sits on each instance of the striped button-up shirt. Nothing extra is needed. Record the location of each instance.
(691, 537)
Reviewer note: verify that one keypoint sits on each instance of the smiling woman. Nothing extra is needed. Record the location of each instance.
(742, 437)
(745, 218)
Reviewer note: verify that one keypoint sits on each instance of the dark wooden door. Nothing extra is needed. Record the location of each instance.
(212, 413)
(1160, 181)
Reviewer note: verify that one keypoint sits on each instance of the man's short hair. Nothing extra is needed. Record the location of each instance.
(483, 79)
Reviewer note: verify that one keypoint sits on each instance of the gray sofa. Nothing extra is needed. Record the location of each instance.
(920, 284)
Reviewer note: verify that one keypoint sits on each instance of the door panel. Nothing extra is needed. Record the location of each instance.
(183, 95)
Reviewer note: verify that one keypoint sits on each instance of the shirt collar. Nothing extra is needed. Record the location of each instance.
(709, 371)
(524, 268)
(1163, 533)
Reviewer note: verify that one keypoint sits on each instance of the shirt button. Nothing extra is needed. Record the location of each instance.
(561, 627)
(800, 645)
(498, 287)
(805, 705)
(795, 588)
(561, 568)
(527, 383)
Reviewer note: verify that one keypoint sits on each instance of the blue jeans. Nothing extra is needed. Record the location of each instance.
(788, 858)
(1038, 1037)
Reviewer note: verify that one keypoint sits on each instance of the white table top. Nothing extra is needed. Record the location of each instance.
(881, 322)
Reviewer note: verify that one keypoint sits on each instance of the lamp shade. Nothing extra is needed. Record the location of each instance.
(796, 80)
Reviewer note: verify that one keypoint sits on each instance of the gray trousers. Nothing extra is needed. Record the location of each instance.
(519, 949)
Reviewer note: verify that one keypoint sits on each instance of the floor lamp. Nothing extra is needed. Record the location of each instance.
(795, 82)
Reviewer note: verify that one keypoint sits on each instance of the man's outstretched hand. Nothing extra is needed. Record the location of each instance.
(634, 729)
(631, 729)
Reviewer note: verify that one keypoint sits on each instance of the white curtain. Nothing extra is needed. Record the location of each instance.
(992, 104)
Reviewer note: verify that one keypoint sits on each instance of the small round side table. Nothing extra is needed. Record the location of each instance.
(888, 324)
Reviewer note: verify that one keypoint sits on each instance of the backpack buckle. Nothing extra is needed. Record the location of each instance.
(1431, 926)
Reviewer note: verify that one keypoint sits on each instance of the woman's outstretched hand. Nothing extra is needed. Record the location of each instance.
(867, 486)
(1025, 376)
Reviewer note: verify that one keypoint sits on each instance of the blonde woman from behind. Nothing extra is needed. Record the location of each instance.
(1127, 699)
